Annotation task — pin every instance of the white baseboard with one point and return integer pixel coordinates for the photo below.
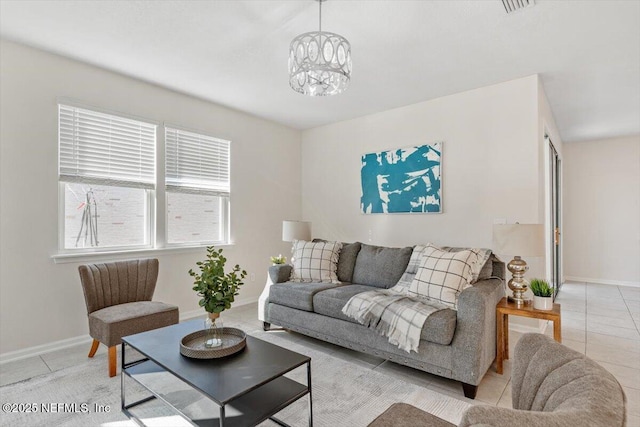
(37, 350)
(603, 281)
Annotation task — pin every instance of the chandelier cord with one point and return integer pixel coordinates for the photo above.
(320, 17)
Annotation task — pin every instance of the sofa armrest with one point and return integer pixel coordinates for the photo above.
(474, 343)
(280, 273)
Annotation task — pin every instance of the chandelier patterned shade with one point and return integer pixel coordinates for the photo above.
(319, 62)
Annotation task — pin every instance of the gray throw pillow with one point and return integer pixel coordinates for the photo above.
(347, 260)
(487, 268)
(380, 266)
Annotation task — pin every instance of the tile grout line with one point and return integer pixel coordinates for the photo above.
(503, 391)
(629, 310)
(45, 364)
(586, 318)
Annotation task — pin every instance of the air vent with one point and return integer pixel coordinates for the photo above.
(513, 5)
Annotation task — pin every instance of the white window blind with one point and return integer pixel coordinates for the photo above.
(103, 149)
(196, 163)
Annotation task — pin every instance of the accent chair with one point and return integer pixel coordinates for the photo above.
(552, 386)
(118, 298)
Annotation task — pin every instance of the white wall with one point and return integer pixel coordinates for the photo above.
(602, 210)
(40, 301)
(490, 167)
(493, 168)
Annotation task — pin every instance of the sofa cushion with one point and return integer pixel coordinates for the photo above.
(380, 266)
(315, 261)
(443, 275)
(297, 295)
(330, 302)
(439, 327)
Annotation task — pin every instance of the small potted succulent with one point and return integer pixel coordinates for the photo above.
(217, 290)
(276, 260)
(542, 294)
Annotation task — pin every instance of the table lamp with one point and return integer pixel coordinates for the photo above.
(296, 230)
(521, 239)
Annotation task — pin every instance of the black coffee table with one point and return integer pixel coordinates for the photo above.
(246, 388)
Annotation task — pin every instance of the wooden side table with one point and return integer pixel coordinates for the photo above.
(504, 308)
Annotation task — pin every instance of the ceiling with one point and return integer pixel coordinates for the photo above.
(234, 53)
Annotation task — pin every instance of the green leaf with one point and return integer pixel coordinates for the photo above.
(217, 288)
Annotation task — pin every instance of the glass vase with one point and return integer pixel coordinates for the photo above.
(213, 326)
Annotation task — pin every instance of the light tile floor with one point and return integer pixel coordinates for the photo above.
(602, 321)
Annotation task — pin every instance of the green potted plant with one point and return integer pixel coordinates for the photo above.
(542, 294)
(275, 260)
(217, 290)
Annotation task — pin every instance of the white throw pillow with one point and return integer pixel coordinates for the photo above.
(412, 268)
(443, 275)
(315, 261)
(483, 256)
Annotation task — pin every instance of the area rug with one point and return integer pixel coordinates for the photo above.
(345, 393)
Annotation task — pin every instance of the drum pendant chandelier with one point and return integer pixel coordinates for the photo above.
(319, 62)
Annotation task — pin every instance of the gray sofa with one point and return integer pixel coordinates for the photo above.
(460, 345)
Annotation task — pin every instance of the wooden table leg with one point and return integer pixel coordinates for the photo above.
(557, 330)
(506, 336)
(500, 342)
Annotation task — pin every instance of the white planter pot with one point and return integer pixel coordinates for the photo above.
(542, 303)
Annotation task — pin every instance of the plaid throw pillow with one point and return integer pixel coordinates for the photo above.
(412, 268)
(315, 261)
(443, 275)
(476, 269)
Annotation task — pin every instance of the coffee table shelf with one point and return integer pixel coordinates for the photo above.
(240, 390)
(250, 409)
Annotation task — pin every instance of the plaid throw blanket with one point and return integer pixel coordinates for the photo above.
(393, 314)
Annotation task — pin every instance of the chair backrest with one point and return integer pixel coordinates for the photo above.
(550, 377)
(118, 282)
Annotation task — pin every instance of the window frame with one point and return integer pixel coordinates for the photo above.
(150, 193)
(225, 199)
(156, 201)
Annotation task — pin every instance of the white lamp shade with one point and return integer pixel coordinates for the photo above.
(525, 240)
(296, 230)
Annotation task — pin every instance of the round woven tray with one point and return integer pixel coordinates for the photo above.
(192, 345)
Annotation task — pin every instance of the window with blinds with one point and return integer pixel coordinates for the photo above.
(197, 179)
(106, 166)
(99, 148)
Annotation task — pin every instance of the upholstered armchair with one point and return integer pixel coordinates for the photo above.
(118, 298)
(552, 386)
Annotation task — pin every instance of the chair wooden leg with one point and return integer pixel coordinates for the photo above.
(112, 361)
(94, 348)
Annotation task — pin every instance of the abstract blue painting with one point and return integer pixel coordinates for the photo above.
(402, 180)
